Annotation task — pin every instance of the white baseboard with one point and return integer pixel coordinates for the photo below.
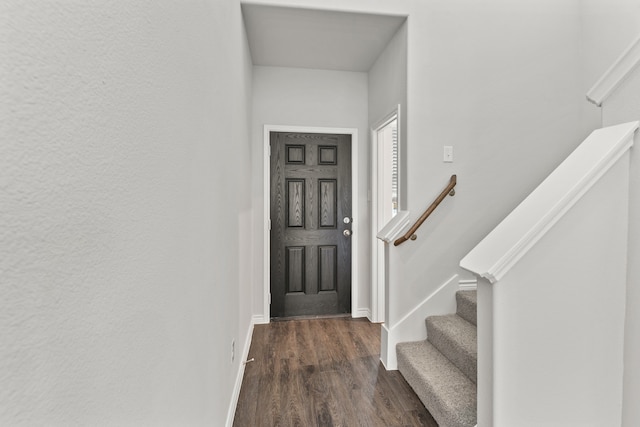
(362, 312)
(412, 327)
(259, 319)
(384, 349)
(236, 389)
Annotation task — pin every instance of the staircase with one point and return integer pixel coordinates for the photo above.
(443, 369)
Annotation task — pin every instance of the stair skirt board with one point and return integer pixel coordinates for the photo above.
(411, 326)
(468, 284)
(442, 369)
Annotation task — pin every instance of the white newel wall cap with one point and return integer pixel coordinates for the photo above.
(521, 229)
(616, 74)
(394, 228)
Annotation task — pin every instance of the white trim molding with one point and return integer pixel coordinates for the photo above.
(239, 377)
(468, 284)
(362, 312)
(378, 284)
(355, 197)
(411, 326)
(395, 227)
(259, 319)
(616, 74)
(494, 256)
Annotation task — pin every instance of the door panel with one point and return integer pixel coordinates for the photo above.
(310, 196)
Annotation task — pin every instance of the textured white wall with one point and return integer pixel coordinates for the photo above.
(124, 165)
(314, 98)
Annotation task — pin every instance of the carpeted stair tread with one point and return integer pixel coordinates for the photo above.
(448, 394)
(457, 340)
(467, 302)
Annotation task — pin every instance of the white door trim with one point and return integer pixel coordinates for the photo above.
(378, 290)
(355, 197)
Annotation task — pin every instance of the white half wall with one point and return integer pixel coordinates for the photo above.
(608, 28)
(309, 98)
(558, 317)
(624, 105)
(125, 210)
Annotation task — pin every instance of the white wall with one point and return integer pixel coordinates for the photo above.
(388, 89)
(497, 82)
(124, 174)
(314, 98)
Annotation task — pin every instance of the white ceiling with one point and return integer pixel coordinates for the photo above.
(306, 38)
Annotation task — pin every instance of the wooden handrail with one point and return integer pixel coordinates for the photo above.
(411, 233)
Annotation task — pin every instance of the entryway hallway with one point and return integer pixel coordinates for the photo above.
(324, 372)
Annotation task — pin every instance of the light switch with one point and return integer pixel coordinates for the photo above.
(448, 154)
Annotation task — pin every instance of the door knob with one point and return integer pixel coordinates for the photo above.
(347, 233)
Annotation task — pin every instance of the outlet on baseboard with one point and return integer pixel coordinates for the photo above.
(233, 350)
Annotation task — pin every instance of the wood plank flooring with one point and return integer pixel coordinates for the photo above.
(325, 373)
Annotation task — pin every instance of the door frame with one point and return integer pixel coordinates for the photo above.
(378, 273)
(355, 197)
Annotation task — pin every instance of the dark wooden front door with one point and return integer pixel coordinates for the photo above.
(310, 199)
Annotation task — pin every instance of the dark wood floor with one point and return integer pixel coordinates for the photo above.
(324, 372)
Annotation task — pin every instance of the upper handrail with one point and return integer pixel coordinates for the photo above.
(411, 233)
(616, 74)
